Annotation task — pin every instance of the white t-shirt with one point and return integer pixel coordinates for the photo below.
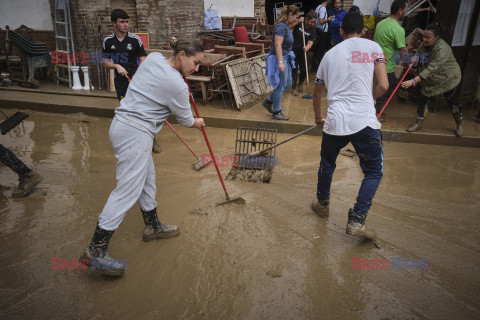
(347, 71)
(321, 12)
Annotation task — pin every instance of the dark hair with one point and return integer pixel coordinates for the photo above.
(190, 47)
(353, 21)
(311, 15)
(118, 13)
(435, 28)
(397, 5)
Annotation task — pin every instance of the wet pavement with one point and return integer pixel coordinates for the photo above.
(269, 259)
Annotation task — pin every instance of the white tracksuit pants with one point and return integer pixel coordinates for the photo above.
(135, 174)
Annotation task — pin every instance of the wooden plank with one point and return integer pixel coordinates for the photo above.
(210, 43)
(230, 50)
(251, 46)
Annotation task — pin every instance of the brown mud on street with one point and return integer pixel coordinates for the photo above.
(272, 258)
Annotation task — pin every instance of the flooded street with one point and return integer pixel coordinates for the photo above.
(272, 258)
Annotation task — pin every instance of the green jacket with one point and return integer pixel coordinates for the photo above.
(441, 72)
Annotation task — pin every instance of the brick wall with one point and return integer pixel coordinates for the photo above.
(347, 4)
(259, 8)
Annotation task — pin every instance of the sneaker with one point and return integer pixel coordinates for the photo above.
(27, 183)
(321, 208)
(267, 104)
(156, 148)
(300, 87)
(280, 116)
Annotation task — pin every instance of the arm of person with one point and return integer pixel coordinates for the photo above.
(109, 64)
(141, 59)
(278, 52)
(434, 65)
(380, 71)
(317, 102)
(309, 45)
(179, 105)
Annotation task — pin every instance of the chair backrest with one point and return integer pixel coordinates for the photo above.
(27, 46)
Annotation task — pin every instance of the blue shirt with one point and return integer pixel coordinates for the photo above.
(282, 29)
(335, 27)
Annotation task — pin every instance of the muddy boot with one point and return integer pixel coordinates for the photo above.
(154, 229)
(356, 225)
(156, 148)
(28, 181)
(300, 87)
(99, 257)
(459, 131)
(321, 208)
(458, 120)
(416, 126)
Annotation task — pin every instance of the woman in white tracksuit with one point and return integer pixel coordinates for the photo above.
(156, 91)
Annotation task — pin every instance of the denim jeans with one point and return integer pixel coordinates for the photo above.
(284, 85)
(369, 148)
(11, 161)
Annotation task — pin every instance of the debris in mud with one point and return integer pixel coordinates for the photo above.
(274, 273)
(250, 175)
(199, 212)
(4, 187)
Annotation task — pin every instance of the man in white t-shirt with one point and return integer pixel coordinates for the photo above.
(322, 42)
(347, 72)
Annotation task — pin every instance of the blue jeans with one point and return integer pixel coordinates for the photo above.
(369, 148)
(284, 85)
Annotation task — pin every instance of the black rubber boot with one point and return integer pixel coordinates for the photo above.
(154, 229)
(322, 208)
(356, 225)
(98, 256)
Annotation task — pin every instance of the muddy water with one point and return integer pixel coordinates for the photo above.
(270, 259)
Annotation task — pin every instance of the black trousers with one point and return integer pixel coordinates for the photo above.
(300, 67)
(452, 100)
(322, 44)
(121, 86)
(392, 82)
(11, 161)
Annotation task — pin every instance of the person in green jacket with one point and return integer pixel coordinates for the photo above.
(439, 73)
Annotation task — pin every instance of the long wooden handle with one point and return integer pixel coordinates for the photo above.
(305, 53)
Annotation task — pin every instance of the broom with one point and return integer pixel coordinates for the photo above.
(12, 121)
(306, 96)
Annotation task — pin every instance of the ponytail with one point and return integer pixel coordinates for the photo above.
(291, 9)
(190, 47)
(435, 28)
